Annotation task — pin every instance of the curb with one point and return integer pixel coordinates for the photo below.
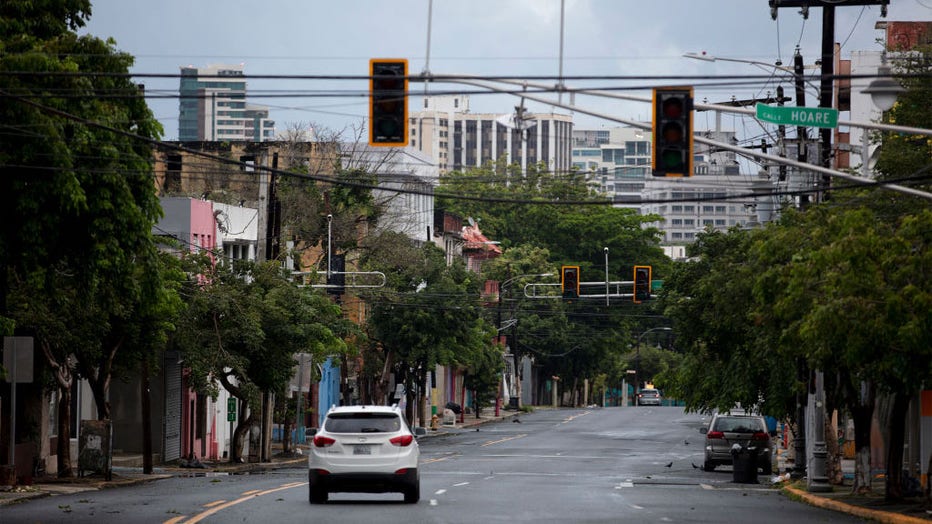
(834, 505)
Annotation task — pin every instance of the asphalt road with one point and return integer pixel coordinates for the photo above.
(569, 465)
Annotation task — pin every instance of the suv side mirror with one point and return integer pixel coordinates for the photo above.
(703, 430)
(419, 431)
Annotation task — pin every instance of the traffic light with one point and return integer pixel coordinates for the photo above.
(642, 277)
(672, 152)
(388, 102)
(569, 281)
(337, 275)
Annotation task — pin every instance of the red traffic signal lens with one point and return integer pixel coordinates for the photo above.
(673, 107)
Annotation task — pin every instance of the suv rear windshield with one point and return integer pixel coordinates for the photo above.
(362, 423)
(739, 425)
(650, 392)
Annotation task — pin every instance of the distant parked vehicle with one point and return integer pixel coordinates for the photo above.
(747, 431)
(649, 397)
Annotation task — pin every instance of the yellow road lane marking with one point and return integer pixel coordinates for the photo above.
(175, 520)
(252, 494)
(214, 503)
(506, 439)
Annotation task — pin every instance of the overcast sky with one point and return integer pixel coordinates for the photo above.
(478, 37)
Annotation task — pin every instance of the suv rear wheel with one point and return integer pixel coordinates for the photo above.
(413, 493)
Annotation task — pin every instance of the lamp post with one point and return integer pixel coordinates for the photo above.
(637, 362)
(883, 91)
(514, 350)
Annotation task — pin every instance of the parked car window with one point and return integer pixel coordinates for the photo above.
(738, 425)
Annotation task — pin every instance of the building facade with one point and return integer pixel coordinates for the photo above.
(456, 139)
(213, 107)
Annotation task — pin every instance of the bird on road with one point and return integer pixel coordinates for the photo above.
(669, 465)
(694, 465)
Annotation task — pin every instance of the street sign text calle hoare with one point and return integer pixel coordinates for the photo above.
(798, 116)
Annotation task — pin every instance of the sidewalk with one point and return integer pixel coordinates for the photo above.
(131, 476)
(868, 506)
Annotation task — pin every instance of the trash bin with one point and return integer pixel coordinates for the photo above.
(743, 465)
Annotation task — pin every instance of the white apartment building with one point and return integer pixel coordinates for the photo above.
(456, 139)
(213, 107)
(618, 161)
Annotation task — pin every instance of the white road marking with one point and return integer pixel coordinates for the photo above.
(460, 484)
(433, 502)
(635, 506)
(440, 492)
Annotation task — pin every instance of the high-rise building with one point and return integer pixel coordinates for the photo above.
(456, 139)
(213, 107)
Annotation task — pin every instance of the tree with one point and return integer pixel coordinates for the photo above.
(429, 314)
(243, 325)
(77, 200)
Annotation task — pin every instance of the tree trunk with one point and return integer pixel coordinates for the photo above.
(64, 378)
(862, 414)
(425, 400)
(64, 432)
(239, 434)
(833, 453)
(897, 421)
(146, 417)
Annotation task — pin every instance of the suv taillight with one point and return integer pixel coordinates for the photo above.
(402, 440)
(323, 442)
(716, 434)
(760, 435)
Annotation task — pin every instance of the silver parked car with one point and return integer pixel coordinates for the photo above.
(649, 397)
(748, 431)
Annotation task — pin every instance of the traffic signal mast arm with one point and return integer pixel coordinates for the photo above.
(464, 79)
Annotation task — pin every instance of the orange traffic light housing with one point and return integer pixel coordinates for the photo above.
(388, 102)
(672, 152)
(642, 283)
(569, 282)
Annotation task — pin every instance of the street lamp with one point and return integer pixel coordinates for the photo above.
(514, 350)
(763, 65)
(637, 362)
(883, 91)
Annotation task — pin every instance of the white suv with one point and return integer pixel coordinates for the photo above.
(364, 449)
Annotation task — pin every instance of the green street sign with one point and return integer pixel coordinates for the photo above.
(798, 116)
(231, 406)
(231, 416)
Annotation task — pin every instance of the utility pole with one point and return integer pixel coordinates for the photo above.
(817, 481)
(268, 249)
(802, 136)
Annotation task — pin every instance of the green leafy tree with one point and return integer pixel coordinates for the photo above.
(77, 199)
(429, 314)
(243, 325)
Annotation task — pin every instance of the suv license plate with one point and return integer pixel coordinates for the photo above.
(362, 450)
